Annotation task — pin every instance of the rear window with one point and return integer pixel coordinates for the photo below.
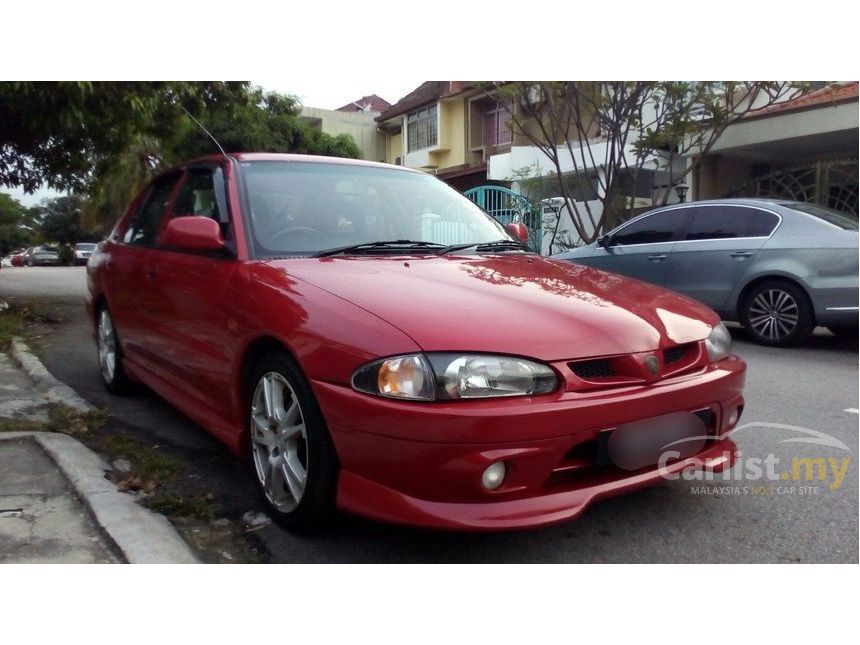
(844, 221)
(726, 222)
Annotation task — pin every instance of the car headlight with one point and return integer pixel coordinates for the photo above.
(719, 343)
(447, 376)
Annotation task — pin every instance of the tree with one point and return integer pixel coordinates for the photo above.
(18, 227)
(67, 134)
(266, 122)
(263, 122)
(598, 136)
(61, 219)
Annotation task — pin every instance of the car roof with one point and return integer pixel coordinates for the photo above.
(738, 201)
(277, 156)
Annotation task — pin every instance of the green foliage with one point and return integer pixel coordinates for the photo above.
(61, 219)
(18, 226)
(104, 141)
(66, 134)
(266, 122)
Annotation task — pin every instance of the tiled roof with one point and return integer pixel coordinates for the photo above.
(427, 92)
(370, 103)
(830, 94)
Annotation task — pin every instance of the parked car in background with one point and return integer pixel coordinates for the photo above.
(374, 341)
(83, 250)
(41, 256)
(779, 268)
(18, 258)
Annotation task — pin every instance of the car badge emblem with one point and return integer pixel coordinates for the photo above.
(652, 364)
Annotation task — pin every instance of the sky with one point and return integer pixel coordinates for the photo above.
(324, 93)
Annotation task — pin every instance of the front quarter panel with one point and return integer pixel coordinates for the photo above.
(328, 336)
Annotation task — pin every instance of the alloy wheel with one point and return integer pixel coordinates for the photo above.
(107, 346)
(279, 442)
(773, 314)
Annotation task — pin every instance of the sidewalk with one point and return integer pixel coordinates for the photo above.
(56, 505)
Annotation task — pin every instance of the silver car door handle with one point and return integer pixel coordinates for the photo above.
(741, 254)
(656, 258)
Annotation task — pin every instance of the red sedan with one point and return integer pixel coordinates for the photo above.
(373, 341)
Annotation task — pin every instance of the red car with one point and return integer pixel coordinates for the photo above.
(374, 342)
(18, 257)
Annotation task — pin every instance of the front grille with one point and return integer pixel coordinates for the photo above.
(674, 354)
(597, 368)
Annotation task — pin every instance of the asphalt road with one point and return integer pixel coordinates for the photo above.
(746, 520)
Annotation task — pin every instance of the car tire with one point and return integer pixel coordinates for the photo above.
(110, 354)
(292, 457)
(777, 313)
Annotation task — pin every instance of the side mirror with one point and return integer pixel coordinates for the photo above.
(519, 231)
(604, 241)
(192, 233)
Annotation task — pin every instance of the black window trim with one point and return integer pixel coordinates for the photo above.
(691, 205)
(176, 175)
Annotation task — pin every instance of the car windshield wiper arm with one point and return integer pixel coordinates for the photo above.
(495, 245)
(395, 245)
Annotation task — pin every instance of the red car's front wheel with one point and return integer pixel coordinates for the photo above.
(294, 460)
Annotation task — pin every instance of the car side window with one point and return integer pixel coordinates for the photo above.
(653, 229)
(144, 229)
(729, 222)
(197, 196)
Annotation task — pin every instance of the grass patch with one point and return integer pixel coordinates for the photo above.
(27, 319)
(11, 325)
(22, 425)
(62, 418)
(200, 506)
(147, 462)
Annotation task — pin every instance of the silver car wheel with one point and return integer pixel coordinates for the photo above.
(279, 442)
(773, 314)
(107, 346)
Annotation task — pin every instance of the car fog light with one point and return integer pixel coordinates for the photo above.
(733, 417)
(494, 475)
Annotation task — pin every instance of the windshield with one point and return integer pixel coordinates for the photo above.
(842, 220)
(85, 247)
(300, 208)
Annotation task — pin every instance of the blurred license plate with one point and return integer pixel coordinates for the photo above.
(647, 442)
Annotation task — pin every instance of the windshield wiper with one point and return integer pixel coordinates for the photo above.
(382, 245)
(487, 247)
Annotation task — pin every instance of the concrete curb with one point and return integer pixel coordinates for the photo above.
(55, 390)
(143, 537)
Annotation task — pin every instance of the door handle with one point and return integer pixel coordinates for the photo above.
(150, 272)
(656, 258)
(741, 254)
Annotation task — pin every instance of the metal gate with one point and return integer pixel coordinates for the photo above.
(829, 183)
(506, 206)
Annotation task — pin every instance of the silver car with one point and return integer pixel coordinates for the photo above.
(779, 268)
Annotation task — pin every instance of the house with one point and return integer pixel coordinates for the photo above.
(803, 149)
(357, 119)
(370, 103)
(447, 128)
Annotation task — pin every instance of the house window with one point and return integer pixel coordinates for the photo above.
(421, 129)
(497, 129)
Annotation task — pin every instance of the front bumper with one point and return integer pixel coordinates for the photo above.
(421, 463)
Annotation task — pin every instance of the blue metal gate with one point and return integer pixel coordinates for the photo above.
(506, 206)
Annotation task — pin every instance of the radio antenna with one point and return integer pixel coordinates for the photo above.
(209, 134)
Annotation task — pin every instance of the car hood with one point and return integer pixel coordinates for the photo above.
(512, 304)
